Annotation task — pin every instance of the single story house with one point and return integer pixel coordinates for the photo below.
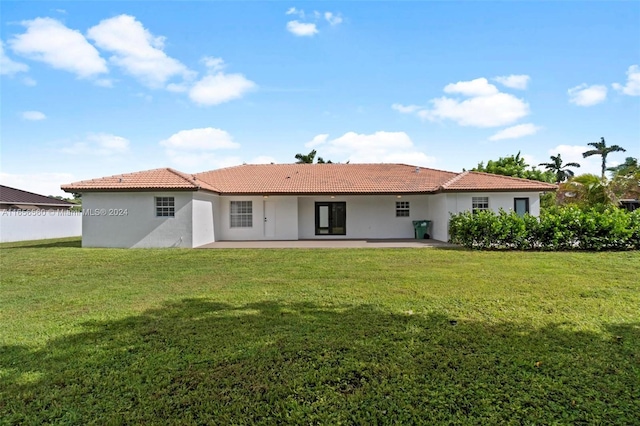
(17, 199)
(168, 208)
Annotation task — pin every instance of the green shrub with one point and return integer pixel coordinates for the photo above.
(558, 228)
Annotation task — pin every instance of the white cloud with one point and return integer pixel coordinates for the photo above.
(584, 95)
(199, 162)
(302, 29)
(514, 81)
(294, 11)
(219, 88)
(378, 147)
(477, 87)
(494, 110)
(33, 116)
(99, 144)
(632, 87)
(197, 149)
(405, 109)
(137, 51)
(39, 183)
(486, 106)
(573, 154)
(332, 19)
(28, 81)
(204, 139)
(214, 64)
(317, 140)
(48, 40)
(9, 67)
(515, 132)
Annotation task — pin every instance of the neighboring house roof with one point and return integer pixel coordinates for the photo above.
(18, 197)
(312, 179)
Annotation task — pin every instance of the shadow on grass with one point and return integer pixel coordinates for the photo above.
(59, 243)
(197, 361)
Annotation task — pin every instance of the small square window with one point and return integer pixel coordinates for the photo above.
(479, 203)
(241, 214)
(165, 207)
(402, 209)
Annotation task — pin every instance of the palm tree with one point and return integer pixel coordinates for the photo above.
(602, 150)
(306, 159)
(630, 166)
(560, 170)
(587, 190)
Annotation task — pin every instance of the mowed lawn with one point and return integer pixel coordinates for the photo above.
(325, 336)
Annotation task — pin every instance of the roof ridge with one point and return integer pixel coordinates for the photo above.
(192, 179)
(511, 177)
(454, 179)
(183, 175)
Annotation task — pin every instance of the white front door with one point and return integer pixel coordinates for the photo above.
(269, 219)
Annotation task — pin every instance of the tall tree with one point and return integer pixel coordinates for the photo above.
(306, 159)
(515, 166)
(588, 191)
(560, 170)
(626, 179)
(630, 166)
(601, 149)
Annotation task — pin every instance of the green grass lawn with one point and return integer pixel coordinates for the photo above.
(333, 336)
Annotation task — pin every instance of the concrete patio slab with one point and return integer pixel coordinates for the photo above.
(310, 244)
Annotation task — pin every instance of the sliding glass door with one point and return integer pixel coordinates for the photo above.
(331, 218)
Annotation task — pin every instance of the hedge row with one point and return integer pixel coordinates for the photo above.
(558, 228)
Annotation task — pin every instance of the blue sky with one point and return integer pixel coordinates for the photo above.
(91, 89)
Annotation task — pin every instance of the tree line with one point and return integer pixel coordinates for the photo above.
(585, 190)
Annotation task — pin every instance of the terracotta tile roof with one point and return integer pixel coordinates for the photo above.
(15, 196)
(478, 181)
(311, 179)
(156, 179)
(325, 179)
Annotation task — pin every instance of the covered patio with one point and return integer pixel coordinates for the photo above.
(334, 243)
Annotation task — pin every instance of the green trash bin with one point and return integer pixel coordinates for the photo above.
(421, 228)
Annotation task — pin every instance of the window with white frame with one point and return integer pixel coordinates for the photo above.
(479, 203)
(165, 207)
(402, 209)
(241, 214)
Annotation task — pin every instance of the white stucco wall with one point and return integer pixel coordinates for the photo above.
(24, 225)
(441, 205)
(286, 219)
(438, 213)
(139, 227)
(368, 216)
(497, 200)
(202, 219)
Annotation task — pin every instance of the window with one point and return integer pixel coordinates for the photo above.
(402, 209)
(331, 218)
(241, 214)
(521, 206)
(165, 207)
(479, 203)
